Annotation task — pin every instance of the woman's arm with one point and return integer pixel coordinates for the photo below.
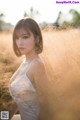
(41, 83)
(12, 108)
(40, 77)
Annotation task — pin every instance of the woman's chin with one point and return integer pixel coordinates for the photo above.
(25, 53)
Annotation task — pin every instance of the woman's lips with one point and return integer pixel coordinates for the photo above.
(21, 48)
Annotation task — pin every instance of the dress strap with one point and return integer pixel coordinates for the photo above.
(28, 64)
(22, 69)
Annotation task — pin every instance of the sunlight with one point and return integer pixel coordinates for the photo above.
(14, 10)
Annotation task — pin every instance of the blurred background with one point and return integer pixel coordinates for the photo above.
(60, 26)
(44, 12)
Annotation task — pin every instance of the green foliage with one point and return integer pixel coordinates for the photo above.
(74, 22)
(32, 13)
(75, 18)
(1, 20)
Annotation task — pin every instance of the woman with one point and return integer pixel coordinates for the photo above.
(28, 86)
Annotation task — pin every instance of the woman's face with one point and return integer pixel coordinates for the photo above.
(25, 41)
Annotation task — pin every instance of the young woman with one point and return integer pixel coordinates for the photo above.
(28, 84)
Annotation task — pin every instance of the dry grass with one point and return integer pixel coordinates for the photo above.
(8, 64)
(61, 57)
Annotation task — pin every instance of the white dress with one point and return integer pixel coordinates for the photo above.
(24, 93)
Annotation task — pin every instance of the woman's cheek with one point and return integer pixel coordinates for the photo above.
(30, 45)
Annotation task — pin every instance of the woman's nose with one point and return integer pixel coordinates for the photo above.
(20, 41)
(19, 38)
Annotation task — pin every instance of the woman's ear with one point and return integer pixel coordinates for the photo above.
(36, 43)
(37, 38)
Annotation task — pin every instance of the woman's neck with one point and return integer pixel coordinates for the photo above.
(31, 56)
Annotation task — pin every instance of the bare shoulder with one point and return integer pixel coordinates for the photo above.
(38, 66)
(39, 74)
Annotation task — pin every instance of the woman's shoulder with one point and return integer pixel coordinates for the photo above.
(37, 66)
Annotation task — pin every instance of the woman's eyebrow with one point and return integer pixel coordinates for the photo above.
(25, 34)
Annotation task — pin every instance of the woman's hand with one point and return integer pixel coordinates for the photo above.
(12, 108)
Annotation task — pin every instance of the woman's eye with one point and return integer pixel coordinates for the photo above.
(25, 37)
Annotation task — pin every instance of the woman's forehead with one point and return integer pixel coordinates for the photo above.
(21, 32)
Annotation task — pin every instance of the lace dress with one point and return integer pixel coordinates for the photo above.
(24, 93)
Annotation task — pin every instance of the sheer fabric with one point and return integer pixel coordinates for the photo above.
(24, 93)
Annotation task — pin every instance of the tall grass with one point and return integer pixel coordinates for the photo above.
(61, 56)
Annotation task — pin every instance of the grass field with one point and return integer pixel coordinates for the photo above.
(61, 56)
